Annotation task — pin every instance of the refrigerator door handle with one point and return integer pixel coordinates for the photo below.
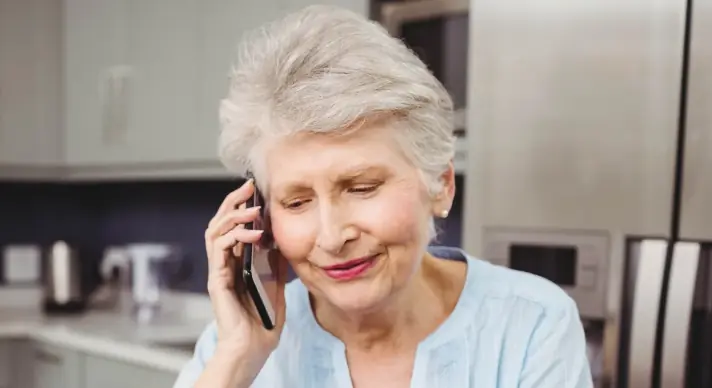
(646, 304)
(683, 273)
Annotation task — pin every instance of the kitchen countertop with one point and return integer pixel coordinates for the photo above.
(163, 344)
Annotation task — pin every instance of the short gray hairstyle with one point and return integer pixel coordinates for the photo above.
(325, 69)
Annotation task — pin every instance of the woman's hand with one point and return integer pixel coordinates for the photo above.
(243, 343)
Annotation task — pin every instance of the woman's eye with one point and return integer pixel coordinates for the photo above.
(296, 204)
(363, 189)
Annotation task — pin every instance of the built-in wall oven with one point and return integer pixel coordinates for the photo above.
(437, 31)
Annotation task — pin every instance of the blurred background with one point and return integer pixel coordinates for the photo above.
(584, 155)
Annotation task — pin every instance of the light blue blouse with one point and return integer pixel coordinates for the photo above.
(509, 329)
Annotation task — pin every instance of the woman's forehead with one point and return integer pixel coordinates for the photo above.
(314, 156)
(310, 148)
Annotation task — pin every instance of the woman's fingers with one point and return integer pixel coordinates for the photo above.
(222, 246)
(230, 220)
(233, 199)
(220, 225)
(221, 268)
(234, 236)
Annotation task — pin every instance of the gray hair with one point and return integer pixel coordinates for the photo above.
(325, 69)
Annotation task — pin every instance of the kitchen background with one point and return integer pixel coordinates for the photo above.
(583, 155)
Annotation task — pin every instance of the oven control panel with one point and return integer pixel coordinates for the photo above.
(575, 260)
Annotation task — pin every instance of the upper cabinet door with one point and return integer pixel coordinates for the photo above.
(132, 82)
(30, 79)
(96, 80)
(144, 80)
(222, 25)
(165, 82)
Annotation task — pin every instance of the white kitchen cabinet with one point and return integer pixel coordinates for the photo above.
(165, 80)
(54, 367)
(5, 366)
(31, 364)
(134, 79)
(222, 24)
(180, 54)
(95, 83)
(144, 81)
(15, 364)
(21, 356)
(30, 86)
(120, 88)
(106, 373)
(132, 83)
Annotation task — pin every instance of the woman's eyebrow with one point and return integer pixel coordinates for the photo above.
(297, 185)
(358, 171)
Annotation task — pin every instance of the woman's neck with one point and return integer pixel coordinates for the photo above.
(407, 318)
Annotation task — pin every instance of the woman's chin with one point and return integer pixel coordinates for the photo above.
(356, 298)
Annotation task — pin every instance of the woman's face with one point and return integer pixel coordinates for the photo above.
(350, 214)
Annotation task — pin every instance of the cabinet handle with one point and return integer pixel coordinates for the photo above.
(47, 357)
(115, 104)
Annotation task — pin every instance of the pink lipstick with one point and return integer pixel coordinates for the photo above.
(350, 269)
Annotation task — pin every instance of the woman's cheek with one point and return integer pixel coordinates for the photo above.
(293, 236)
(393, 218)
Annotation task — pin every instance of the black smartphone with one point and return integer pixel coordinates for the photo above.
(257, 273)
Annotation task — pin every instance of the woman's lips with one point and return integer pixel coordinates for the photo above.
(350, 269)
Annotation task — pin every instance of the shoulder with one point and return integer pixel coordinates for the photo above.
(534, 318)
(525, 304)
(497, 283)
(500, 286)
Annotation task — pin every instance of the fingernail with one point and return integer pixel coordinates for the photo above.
(247, 183)
(257, 231)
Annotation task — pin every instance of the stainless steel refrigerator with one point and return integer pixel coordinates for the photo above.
(590, 163)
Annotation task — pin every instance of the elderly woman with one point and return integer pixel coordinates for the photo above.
(350, 140)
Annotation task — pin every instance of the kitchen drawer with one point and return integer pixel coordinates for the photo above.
(106, 373)
(53, 366)
(5, 364)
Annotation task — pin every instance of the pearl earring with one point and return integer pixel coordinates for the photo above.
(444, 213)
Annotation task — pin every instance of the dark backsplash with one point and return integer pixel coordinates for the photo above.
(94, 215)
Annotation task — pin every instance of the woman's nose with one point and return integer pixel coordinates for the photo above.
(334, 230)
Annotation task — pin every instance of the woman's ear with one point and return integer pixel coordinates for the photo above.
(442, 202)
